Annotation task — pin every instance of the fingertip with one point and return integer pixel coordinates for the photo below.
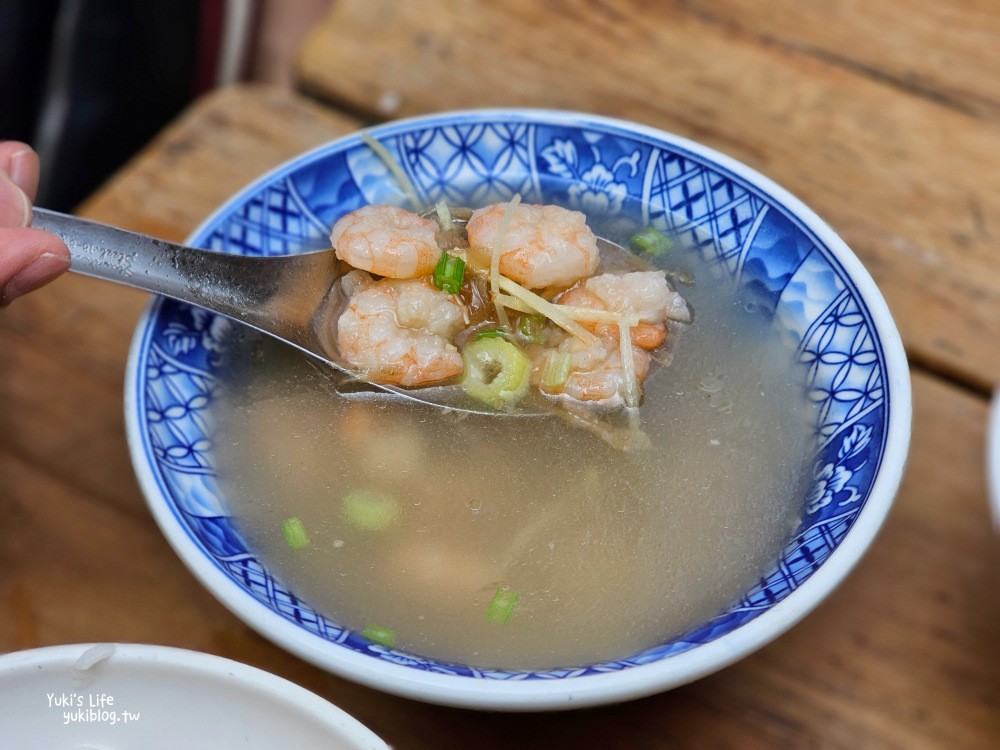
(15, 205)
(21, 163)
(7, 148)
(29, 258)
(50, 244)
(24, 170)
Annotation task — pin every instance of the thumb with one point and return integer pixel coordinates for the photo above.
(29, 258)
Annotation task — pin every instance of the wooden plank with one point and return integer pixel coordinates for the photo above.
(910, 184)
(943, 51)
(227, 140)
(75, 569)
(78, 317)
(64, 419)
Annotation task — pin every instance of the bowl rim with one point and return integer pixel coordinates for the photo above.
(591, 689)
(199, 665)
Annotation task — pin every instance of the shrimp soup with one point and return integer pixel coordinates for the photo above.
(525, 542)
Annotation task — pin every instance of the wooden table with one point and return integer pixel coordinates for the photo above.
(883, 116)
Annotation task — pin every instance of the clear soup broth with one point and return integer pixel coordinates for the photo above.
(607, 552)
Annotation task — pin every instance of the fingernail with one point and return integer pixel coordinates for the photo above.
(20, 167)
(15, 209)
(40, 271)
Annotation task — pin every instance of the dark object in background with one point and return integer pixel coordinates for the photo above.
(25, 37)
(89, 82)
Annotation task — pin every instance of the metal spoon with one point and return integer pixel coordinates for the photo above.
(288, 297)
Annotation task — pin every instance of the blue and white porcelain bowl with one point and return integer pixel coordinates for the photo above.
(772, 246)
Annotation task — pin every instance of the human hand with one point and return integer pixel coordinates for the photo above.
(29, 257)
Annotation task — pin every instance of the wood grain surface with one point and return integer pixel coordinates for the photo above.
(946, 52)
(883, 116)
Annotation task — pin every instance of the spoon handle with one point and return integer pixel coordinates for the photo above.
(135, 260)
(275, 295)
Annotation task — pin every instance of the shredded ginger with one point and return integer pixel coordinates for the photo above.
(495, 253)
(393, 166)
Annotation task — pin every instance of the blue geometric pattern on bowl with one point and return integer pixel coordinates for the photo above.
(599, 168)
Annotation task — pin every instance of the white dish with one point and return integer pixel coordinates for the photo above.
(124, 697)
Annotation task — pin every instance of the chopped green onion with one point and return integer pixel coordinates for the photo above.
(651, 242)
(496, 372)
(295, 533)
(490, 333)
(448, 273)
(555, 369)
(501, 606)
(380, 635)
(531, 327)
(370, 510)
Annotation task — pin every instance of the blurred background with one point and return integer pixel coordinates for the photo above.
(89, 82)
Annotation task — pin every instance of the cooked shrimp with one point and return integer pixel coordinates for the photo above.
(399, 331)
(646, 335)
(387, 241)
(543, 246)
(597, 372)
(645, 294)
